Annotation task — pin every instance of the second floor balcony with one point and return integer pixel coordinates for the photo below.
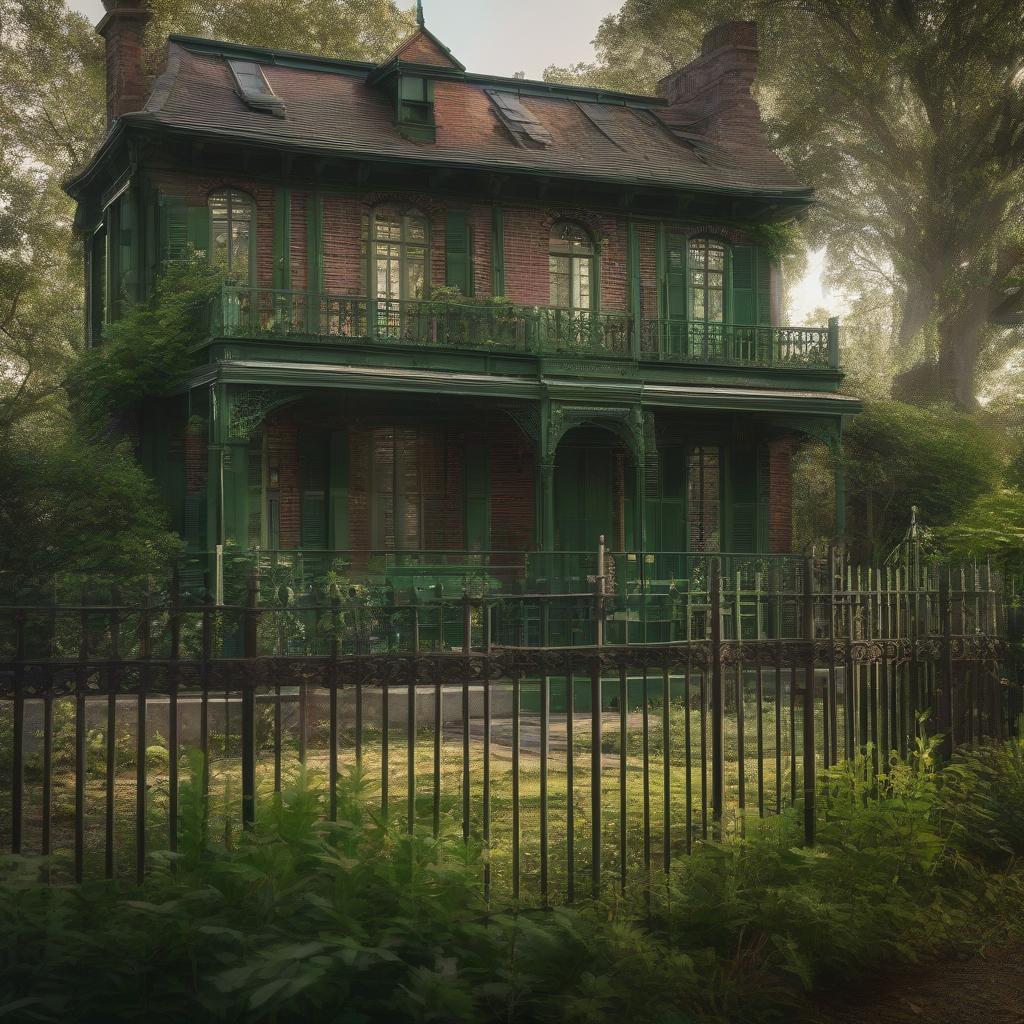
(501, 326)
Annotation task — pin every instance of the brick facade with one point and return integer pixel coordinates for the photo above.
(780, 513)
(527, 231)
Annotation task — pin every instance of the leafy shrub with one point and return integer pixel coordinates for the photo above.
(359, 921)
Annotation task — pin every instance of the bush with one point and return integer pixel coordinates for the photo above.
(359, 921)
(899, 455)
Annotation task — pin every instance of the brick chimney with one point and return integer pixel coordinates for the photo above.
(711, 95)
(123, 29)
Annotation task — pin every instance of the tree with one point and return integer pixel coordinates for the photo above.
(909, 120)
(898, 455)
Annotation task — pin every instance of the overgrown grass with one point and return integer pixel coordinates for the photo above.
(358, 921)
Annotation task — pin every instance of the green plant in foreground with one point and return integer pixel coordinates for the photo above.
(356, 920)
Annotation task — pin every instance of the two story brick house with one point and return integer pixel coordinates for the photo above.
(461, 313)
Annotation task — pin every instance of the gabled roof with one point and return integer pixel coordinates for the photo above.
(423, 47)
(335, 106)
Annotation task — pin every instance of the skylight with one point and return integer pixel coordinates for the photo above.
(522, 125)
(254, 88)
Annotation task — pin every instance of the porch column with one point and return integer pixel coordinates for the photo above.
(547, 505)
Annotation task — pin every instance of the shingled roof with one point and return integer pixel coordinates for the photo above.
(335, 107)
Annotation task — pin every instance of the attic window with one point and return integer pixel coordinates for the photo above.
(522, 125)
(415, 113)
(254, 88)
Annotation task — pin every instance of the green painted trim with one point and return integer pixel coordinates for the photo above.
(283, 238)
(338, 477)
(661, 271)
(315, 242)
(497, 251)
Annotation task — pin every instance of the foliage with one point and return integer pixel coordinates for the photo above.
(146, 351)
(907, 119)
(349, 29)
(992, 526)
(897, 455)
(304, 918)
(73, 508)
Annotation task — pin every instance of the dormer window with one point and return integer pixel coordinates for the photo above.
(415, 113)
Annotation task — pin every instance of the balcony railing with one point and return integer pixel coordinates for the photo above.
(501, 326)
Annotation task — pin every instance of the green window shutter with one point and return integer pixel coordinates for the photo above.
(764, 485)
(675, 284)
(458, 252)
(743, 310)
(338, 475)
(313, 472)
(478, 498)
(743, 505)
(173, 217)
(673, 498)
(764, 288)
(199, 229)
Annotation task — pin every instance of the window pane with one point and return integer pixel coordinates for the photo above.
(716, 257)
(716, 309)
(240, 240)
(703, 500)
(581, 284)
(416, 229)
(414, 277)
(387, 227)
(561, 292)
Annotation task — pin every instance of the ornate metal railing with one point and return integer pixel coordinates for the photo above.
(491, 326)
(498, 325)
(681, 341)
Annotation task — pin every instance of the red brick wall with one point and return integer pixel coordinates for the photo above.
(513, 483)
(780, 511)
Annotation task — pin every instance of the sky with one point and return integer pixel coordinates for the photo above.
(501, 38)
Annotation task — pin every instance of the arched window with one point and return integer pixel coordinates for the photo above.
(232, 234)
(571, 266)
(707, 280)
(398, 248)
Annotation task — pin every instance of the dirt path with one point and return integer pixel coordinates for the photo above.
(983, 990)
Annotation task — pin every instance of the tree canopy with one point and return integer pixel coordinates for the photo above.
(909, 120)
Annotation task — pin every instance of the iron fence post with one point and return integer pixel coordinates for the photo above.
(18, 738)
(717, 699)
(944, 691)
(248, 698)
(810, 780)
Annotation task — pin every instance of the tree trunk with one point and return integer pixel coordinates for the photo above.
(960, 335)
(917, 308)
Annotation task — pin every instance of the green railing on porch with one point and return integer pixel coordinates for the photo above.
(500, 326)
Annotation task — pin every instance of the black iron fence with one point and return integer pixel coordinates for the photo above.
(582, 736)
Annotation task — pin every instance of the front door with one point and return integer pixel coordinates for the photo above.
(584, 504)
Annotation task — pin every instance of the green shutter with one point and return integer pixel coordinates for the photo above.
(673, 498)
(743, 504)
(478, 498)
(675, 270)
(199, 229)
(173, 216)
(764, 477)
(313, 470)
(338, 501)
(743, 309)
(751, 286)
(764, 289)
(458, 252)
